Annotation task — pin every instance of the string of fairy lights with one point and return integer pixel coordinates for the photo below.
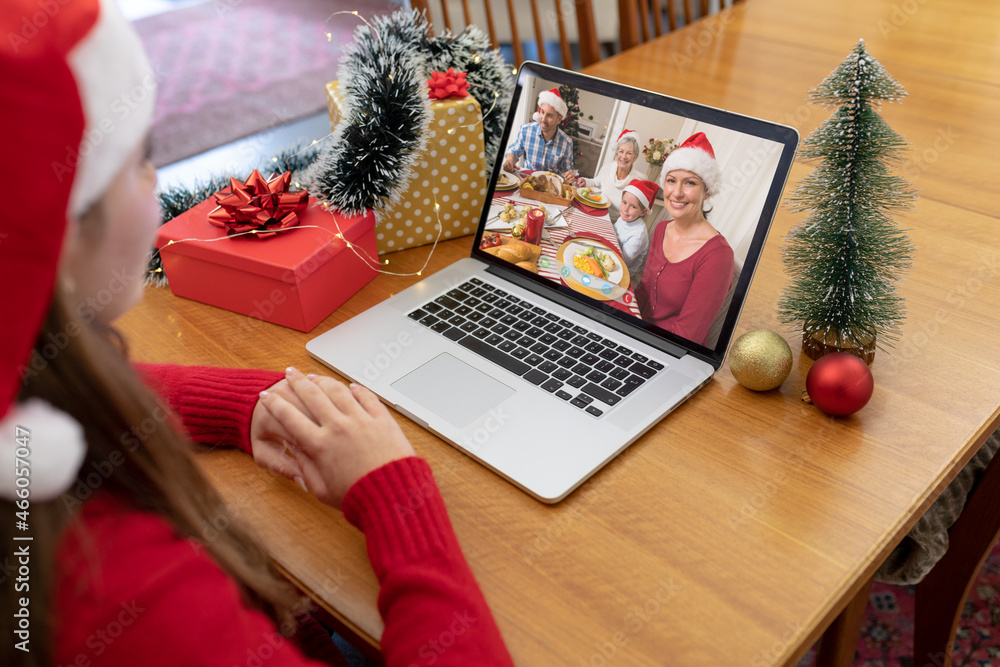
(358, 250)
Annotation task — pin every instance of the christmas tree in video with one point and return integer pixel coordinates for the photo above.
(571, 123)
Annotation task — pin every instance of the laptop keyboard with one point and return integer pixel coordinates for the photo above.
(572, 362)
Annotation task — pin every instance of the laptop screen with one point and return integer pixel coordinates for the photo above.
(644, 210)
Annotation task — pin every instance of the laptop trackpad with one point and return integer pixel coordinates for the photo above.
(453, 390)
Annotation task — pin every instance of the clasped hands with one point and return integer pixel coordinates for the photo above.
(324, 434)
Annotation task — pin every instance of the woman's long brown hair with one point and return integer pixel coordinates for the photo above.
(81, 368)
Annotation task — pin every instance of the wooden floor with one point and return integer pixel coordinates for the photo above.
(233, 157)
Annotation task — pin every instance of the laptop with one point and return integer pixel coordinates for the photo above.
(542, 371)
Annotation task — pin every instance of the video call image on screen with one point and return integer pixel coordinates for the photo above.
(649, 212)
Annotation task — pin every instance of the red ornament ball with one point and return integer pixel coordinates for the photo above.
(840, 384)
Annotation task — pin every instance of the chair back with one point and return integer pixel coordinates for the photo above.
(713, 331)
(642, 20)
(569, 21)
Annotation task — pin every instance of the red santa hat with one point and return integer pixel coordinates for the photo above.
(627, 134)
(697, 156)
(644, 191)
(78, 99)
(554, 100)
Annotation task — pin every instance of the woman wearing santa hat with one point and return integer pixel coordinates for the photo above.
(689, 268)
(616, 173)
(116, 523)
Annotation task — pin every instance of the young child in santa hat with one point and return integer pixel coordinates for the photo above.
(116, 511)
(633, 237)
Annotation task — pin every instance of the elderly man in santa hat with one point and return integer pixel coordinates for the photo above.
(542, 144)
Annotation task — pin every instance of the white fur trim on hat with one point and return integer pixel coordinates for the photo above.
(628, 134)
(694, 160)
(117, 87)
(638, 193)
(46, 443)
(554, 101)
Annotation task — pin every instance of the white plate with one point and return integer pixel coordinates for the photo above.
(553, 216)
(604, 202)
(575, 248)
(513, 185)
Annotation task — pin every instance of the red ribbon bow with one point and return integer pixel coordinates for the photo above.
(447, 84)
(264, 206)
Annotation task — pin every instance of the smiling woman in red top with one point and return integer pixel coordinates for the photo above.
(689, 268)
(130, 556)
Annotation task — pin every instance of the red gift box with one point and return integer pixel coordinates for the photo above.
(294, 278)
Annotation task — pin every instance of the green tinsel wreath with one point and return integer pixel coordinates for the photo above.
(369, 162)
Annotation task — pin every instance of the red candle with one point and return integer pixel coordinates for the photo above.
(533, 226)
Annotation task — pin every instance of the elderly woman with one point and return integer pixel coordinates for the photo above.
(689, 268)
(618, 173)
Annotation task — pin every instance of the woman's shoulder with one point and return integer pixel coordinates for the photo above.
(120, 564)
(111, 552)
(113, 544)
(107, 518)
(604, 173)
(719, 243)
(716, 250)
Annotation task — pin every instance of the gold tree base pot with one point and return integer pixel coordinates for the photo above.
(816, 345)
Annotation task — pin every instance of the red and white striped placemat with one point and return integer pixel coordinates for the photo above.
(583, 224)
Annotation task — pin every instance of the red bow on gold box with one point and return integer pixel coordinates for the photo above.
(259, 206)
(447, 84)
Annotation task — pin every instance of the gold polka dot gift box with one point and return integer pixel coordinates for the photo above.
(451, 170)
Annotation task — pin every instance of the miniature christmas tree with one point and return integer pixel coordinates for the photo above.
(571, 123)
(847, 256)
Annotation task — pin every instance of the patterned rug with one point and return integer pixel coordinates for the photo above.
(227, 69)
(887, 633)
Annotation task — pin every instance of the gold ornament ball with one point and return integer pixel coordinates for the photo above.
(760, 360)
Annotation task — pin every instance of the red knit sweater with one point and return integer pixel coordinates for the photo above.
(684, 297)
(130, 592)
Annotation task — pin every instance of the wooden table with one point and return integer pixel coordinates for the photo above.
(739, 527)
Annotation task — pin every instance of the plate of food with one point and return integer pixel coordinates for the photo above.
(510, 215)
(508, 181)
(512, 250)
(595, 258)
(546, 186)
(592, 198)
